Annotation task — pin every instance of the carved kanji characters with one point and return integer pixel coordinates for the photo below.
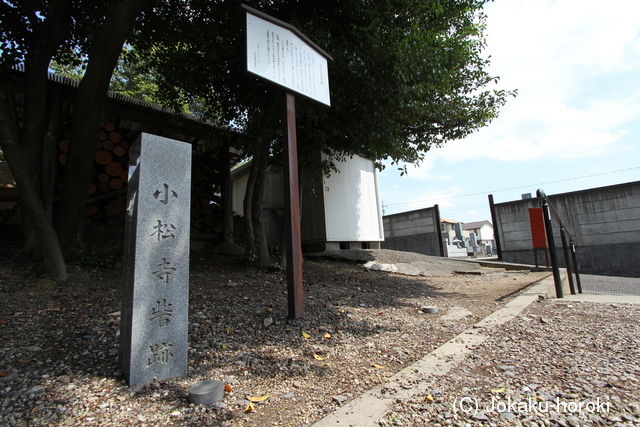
(163, 231)
(165, 270)
(160, 353)
(164, 194)
(161, 312)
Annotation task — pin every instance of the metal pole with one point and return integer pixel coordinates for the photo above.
(496, 235)
(552, 248)
(575, 266)
(567, 262)
(292, 208)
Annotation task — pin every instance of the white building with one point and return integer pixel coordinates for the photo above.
(338, 212)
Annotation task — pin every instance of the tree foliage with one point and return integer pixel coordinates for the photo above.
(406, 74)
(131, 76)
(33, 33)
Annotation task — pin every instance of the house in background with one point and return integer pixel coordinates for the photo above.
(454, 240)
(483, 231)
(449, 227)
(424, 231)
(341, 211)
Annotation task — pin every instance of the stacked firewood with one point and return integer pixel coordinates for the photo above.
(107, 191)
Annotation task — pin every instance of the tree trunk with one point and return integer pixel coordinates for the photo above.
(30, 199)
(260, 236)
(32, 138)
(260, 129)
(250, 243)
(257, 247)
(50, 155)
(227, 195)
(89, 108)
(46, 38)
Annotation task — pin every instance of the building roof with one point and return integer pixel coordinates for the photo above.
(132, 114)
(450, 221)
(475, 225)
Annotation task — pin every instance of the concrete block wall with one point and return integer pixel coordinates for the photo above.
(414, 231)
(604, 222)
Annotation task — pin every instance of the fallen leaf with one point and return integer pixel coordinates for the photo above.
(228, 388)
(498, 390)
(327, 335)
(429, 398)
(306, 335)
(375, 365)
(223, 346)
(229, 331)
(258, 399)
(3, 374)
(315, 356)
(250, 408)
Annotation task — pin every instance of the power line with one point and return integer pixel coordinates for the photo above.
(512, 188)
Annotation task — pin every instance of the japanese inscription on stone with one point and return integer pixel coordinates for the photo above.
(154, 326)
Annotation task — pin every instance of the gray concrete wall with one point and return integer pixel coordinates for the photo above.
(414, 231)
(604, 222)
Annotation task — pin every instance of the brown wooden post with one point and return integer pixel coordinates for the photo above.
(292, 208)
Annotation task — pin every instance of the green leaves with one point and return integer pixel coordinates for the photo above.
(405, 75)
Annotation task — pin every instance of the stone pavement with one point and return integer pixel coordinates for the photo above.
(610, 285)
(364, 410)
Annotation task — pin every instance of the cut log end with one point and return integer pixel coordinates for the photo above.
(114, 169)
(103, 157)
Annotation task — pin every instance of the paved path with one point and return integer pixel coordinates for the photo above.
(611, 285)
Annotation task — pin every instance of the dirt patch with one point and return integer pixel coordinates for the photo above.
(59, 343)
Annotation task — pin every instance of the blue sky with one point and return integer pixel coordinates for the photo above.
(574, 125)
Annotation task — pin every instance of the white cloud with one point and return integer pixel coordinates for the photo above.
(569, 60)
(431, 169)
(547, 44)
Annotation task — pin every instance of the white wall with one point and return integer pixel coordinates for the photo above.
(485, 232)
(239, 189)
(352, 202)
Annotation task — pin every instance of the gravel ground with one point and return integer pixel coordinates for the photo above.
(556, 364)
(59, 342)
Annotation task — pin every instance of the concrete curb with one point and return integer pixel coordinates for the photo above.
(364, 410)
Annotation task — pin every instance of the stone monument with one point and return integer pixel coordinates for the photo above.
(155, 293)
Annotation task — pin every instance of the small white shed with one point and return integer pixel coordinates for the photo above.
(342, 211)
